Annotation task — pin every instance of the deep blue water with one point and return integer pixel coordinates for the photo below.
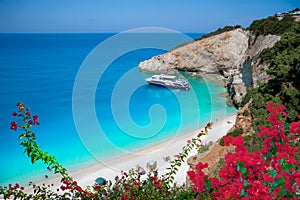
(40, 70)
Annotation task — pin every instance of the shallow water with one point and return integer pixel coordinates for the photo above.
(40, 70)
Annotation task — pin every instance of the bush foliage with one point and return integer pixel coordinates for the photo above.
(284, 71)
(271, 25)
(270, 172)
(220, 30)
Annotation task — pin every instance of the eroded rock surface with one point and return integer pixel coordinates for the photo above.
(232, 55)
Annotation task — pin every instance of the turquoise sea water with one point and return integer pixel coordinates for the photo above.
(40, 70)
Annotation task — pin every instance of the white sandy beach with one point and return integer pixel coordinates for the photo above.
(171, 147)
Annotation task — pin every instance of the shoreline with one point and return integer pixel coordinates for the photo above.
(110, 168)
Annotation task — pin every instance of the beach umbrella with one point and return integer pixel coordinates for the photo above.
(100, 181)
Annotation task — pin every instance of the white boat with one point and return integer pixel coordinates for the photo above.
(168, 81)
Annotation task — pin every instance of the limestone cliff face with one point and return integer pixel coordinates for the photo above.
(232, 55)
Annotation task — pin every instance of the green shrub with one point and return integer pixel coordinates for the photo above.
(221, 142)
(235, 132)
(205, 147)
(219, 31)
(253, 142)
(246, 113)
(271, 25)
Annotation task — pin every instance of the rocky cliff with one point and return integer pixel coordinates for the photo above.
(232, 55)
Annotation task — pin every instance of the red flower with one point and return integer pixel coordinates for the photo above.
(267, 178)
(35, 117)
(137, 183)
(14, 114)
(97, 187)
(13, 126)
(124, 197)
(30, 122)
(154, 178)
(158, 185)
(295, 127)
(32, 135)
(238, 141)
(215, 182)
(201, 166)
(79, 189)
(227, 140)
(27, 113)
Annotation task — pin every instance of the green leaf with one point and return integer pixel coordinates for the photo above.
(33, 158)
(280, 117)
(243, 193)
(269, 154)
(22, 136)
(280, 181)
(239, 163)
(243, 170)
(25, 143)
(208, 184)
(282, 161)
(245, 183)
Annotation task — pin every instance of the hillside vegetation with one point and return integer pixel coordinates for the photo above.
(219, 31)
(284, 68)
(283, 87)
(272, 25)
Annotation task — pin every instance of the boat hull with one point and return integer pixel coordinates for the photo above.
(174, 87)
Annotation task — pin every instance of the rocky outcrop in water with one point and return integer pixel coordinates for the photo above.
(232, 55)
